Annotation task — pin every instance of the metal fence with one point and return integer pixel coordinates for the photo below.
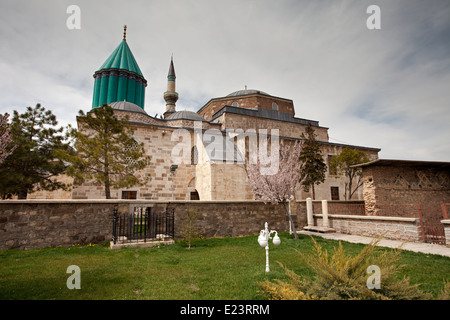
(430, 216)
(145, 224)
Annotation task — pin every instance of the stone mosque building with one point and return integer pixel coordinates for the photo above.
(201, 174)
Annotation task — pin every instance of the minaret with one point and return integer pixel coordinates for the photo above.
(170, 96)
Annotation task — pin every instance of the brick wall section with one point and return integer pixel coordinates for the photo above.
(405, 185)
(247, 102)
(30, 224)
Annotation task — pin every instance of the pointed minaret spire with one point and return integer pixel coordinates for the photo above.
(170, 96)
(171, 70)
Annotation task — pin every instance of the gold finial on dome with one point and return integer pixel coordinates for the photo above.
(125, 32)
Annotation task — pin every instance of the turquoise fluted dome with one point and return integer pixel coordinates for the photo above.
(119, 79)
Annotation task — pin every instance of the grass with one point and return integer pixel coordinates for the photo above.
(214, 269)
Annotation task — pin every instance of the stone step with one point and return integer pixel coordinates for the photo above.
(319, 229)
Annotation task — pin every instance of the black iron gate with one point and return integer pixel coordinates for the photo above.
(145, 224)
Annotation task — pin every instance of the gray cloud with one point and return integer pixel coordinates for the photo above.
(383, 88)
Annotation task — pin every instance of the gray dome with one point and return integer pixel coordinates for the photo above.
(246, 92)
(185, 115)
(126, 106)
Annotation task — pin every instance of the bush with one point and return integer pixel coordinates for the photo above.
(342, 277)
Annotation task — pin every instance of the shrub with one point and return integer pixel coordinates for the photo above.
(343, 277)
(189, 229)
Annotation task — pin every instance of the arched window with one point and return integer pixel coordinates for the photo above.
(235, 104)
(274, 106)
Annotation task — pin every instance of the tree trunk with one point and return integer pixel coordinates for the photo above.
(107, 187)
(313, 192)
(290, 219)
(350, 184)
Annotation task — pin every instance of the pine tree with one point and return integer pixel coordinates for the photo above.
(107, 154)
(34, 164)
(314, 167)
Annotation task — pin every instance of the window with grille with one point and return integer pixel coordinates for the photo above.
(129, 160)
(129, 194)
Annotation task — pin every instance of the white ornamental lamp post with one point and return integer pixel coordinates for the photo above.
(263, 241)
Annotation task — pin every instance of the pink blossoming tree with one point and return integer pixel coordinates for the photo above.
(280, 187)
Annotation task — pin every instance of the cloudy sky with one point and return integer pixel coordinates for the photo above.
(387, 88)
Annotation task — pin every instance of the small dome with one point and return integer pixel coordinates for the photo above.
(185, 115)
(246, 93)
(127, 106)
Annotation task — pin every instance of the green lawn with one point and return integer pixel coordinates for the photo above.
(214, 269)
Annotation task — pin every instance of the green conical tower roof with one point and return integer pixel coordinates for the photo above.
(122, 58)
(119, 78)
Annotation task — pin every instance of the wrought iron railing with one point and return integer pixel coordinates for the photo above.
(144, 224)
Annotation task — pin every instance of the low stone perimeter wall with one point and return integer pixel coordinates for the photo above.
(446, 224)
(396, 228)
(29, 224)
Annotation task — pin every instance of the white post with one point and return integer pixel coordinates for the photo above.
(309, 212)
(267, 258)
(325, 222)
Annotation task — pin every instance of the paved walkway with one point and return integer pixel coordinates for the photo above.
(427, 248)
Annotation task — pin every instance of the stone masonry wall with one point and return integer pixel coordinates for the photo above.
(30, 224)
(226, 218)
(396, 228)
(287, 129)
(159, 145)
(446, 224)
